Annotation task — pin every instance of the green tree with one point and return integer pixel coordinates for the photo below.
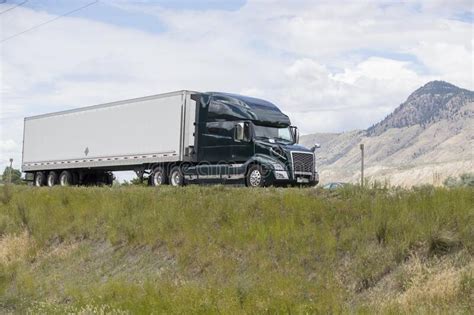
(464, 180)
(15, 174)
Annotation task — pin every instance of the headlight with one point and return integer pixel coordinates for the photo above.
(278, 166)
(281, 175)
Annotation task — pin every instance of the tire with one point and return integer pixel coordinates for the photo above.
(66, 179)
(75, 178)
(52, 179)
(109, 177)
(158, 177)
(255, 176)
(39, 180)
(176, 177)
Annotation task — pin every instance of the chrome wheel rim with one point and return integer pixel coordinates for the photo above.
(157, 178)
(38, 180)
(255, 178)
(50, 181)
(175, 178)
(63, 181)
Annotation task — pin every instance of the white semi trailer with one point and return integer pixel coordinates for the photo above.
(175, 138)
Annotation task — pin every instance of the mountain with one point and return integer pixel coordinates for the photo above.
(424, 140)
(435, 101)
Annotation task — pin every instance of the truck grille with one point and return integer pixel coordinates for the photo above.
(303, 163)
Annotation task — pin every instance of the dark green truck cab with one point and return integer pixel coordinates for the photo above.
(241, 139)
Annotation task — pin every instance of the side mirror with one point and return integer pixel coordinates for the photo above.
(316, 146)
(242, 132)
(239, 132)
(296, 134)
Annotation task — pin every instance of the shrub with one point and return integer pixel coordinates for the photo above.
(236, 250)
(464, 180)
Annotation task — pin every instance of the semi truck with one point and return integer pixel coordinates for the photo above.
(175, 138)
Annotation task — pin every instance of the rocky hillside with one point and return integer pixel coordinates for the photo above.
(426, 139)
(435, 101)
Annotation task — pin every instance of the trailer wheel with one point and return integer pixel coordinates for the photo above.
(158, 176)
(66, 179)
(110, 178)
(255, 177)
(39, 179)
(75, 178)
(52, 179)
(176, 177)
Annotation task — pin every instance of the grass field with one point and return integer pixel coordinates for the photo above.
(236, 250)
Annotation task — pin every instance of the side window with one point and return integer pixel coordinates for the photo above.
(247, 131)
(214, 129)
(219, 131)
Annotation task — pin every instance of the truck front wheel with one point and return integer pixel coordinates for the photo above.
(255, 176)
(176, 177)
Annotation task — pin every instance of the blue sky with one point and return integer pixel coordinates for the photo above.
(109, 11)
(333, 66)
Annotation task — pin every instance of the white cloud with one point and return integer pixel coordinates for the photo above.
(453, 62)
(9, 149)
(8, 145)
(332, 67)
(376, 68)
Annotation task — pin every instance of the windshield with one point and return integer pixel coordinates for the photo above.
(273, 133)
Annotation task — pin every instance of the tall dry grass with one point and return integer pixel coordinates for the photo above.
(237, 250)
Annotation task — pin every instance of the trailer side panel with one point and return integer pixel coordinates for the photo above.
(145, 130)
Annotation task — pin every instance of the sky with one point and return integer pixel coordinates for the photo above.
(332, 66)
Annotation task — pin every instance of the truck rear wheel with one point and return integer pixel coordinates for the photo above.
(39, 179)
(52, 179)
(255, 176)
(176, 177)
(65, 178)
(158, 177)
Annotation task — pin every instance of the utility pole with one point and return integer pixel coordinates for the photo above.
(361, 165)
(10, 173)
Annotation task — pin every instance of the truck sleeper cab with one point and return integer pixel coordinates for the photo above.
(218, 138)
